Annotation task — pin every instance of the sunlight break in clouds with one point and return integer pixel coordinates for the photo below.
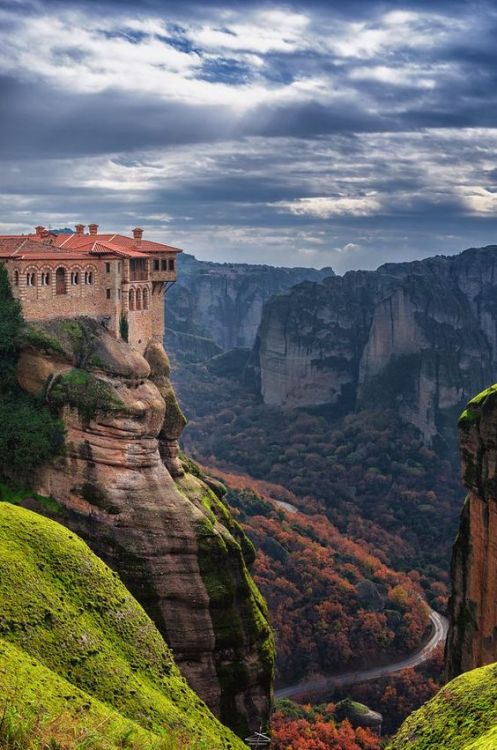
(323, 208)
(343, 133)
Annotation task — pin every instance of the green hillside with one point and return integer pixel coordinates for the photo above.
(81, 664)
(462, 716)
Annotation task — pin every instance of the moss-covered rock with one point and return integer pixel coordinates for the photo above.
(77, 650)
(83, 391)
(462, 716)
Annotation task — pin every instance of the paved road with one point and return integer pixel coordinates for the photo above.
(322, 685)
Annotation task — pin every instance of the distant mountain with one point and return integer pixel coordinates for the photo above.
(222, 303)
(420, 337)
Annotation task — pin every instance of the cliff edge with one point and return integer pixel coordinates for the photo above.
(166, 532)
(472, 640)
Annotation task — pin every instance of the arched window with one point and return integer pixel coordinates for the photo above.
(88, 277)
(31, 278)
(60, 281)
(74, 278)
(45, 278)
(16, 278)
(145, 299)
(138, 299)
(131, 299)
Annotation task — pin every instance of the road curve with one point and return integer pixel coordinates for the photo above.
(324, 684)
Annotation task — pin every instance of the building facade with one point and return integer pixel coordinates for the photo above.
(119, 280)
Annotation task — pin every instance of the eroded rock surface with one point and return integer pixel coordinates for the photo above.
(472, 639)
(421, 336)
(174, 543)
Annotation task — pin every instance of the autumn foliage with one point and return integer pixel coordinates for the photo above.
(332, 603)
(314, 729)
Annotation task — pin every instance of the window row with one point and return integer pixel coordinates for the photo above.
(138, 300)
(45, 278)
(164, 265)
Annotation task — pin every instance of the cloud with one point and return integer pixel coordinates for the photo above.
(324, 207)
(303, 132)
(479, 200)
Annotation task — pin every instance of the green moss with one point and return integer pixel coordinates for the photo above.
(38, 338)
(68, 624)
(462, 716)
(84, 392)
(174, 419)
(472, 412)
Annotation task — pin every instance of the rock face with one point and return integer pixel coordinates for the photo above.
(472, 640)
(421, 336)
(169, 536)
(222, 302)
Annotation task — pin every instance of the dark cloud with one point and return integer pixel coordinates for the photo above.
(38, 119)
(311, 121)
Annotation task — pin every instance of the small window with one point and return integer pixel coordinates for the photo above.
(131, 299)
(30, 279)
(118, 294)
(107, 293)
(107, 268)
(45, 278)
(163, 264)
(145, 299)
(138, 299)
(119, 267)
(16, 278)
(156, 265)
(171, 264)
(88, 277)
(74, 278)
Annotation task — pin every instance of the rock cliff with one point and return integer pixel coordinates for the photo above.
(421, 336)
(168, 534)
(472, 640)
(221, 303)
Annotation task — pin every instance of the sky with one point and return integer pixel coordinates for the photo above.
(303, 133)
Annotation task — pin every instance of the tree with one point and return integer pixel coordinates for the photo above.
(29, 433)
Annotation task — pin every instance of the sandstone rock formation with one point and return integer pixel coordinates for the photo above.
(220, 304)
(472, 640)
(170, 537)
(421, 336)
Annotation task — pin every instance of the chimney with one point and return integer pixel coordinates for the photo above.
(80, 228)
(137, 234)
(93, 228)
(39, 231)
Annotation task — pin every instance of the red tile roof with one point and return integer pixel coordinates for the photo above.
(79, 246)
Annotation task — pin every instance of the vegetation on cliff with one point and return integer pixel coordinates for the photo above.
(79, 658)
(462, 716)
(30, 433)
(238, 612)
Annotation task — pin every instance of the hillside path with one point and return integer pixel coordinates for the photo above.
(322, 684)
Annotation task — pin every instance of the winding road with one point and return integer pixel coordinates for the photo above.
(324, 684)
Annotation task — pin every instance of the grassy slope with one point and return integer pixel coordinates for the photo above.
(77, 651)
(462, 716)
